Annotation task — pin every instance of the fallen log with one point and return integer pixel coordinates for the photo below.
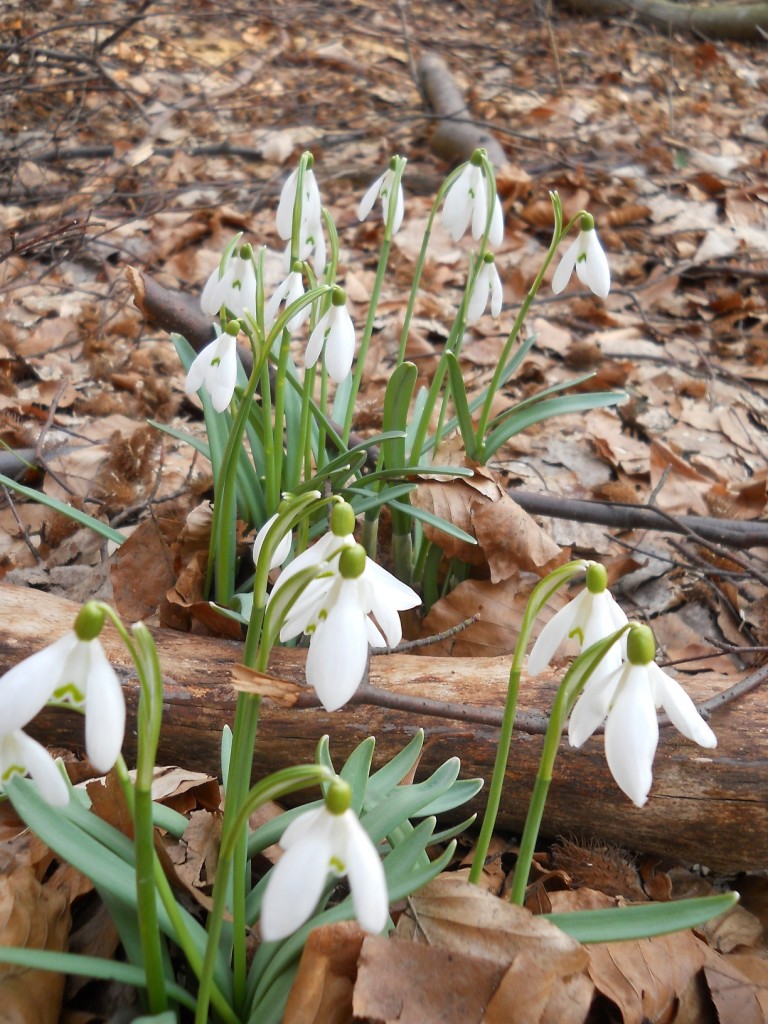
(708, 807)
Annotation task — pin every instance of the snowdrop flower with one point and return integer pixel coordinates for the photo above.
(590, 617)
(335, 333)
(289, 290)
(21, 755)
(216, 368)
(73, 669)
(234, 287)
(311, 237)
(383, 188)
(587, 256)
(282, 550)
(351, 604)
(467, 202)
(327, 840)
(626, 699)
(487, 285)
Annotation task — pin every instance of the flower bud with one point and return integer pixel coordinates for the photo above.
(338, 297)
(232, 327)
(587, 222)
(342, 519)
(478, 157)
(352, 562)
(641, 645)
(90, 621)
(597, 578)
(338, 799)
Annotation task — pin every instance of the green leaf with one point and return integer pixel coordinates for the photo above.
(459, 395)
(643, 920)
(406, 801)
(547, 409)
(397, 401)
(103, 529)
(460, 792)
(382, 782)
(91, 967)
(356, 771)
(433, 520)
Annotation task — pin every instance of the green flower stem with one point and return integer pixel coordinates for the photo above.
(557, 236)
(279, 409)
(567, 692)
(149, 721)
(542, 592)
(225, 510)
(271, 482)
(442, 192)
(381, 270)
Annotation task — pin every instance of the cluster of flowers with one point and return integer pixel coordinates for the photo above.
(233, 284)
(624, 690)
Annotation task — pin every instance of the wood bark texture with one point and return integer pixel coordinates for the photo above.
(455, 138)
(706, 806)
(744, 22)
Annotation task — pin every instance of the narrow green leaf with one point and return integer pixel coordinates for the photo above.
(89, 967)
(433, 520)
(643, 920)
(103, 529)
(397, 401)
(459, 395)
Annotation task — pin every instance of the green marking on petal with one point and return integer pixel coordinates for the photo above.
(581, 258)
(578, 634)
(14, 769)
(69, 692)
(337, 866)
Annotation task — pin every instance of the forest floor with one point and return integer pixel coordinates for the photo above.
(148, 139)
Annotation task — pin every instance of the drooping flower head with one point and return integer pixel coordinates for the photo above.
(384, 188)
(586, 255)
(232, 285)
(290, 290)
(21, 755)
(626, 700)
(350, 605)
(300, 213)
(487, 286)
(589, 617)
(74, 670)
(324, 842)
(216, 368)
(334, 336)
(468, 202)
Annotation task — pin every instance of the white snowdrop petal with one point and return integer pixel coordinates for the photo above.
(27, 687)
(295, 885)
(552, 635)
(631, 735)
(338, 650)
(670, 695)
(19, 750)
(370, 197)
(366, 878)
(565, 267)
(105, 712)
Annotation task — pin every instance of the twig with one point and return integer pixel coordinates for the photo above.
(436, 638)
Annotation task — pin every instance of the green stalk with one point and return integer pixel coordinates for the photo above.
(442, 192)
(568, 691)
(279, 411)
(381, 270)
(542, 592)
(557, 236)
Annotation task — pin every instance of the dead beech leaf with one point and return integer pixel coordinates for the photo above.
(248, 680)
(501, 607)
(35, 917)
(737, 998)
(532, 992)
(469, 921)
(322, 990)
(142, 570)
(403, 983)
(509, 539)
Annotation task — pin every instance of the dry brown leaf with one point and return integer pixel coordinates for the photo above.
(737, 997)
(402, 983)
(142, 569)
(322, 990)
(509, 539)
(35, 917)
(469, 921)
(501, 607)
